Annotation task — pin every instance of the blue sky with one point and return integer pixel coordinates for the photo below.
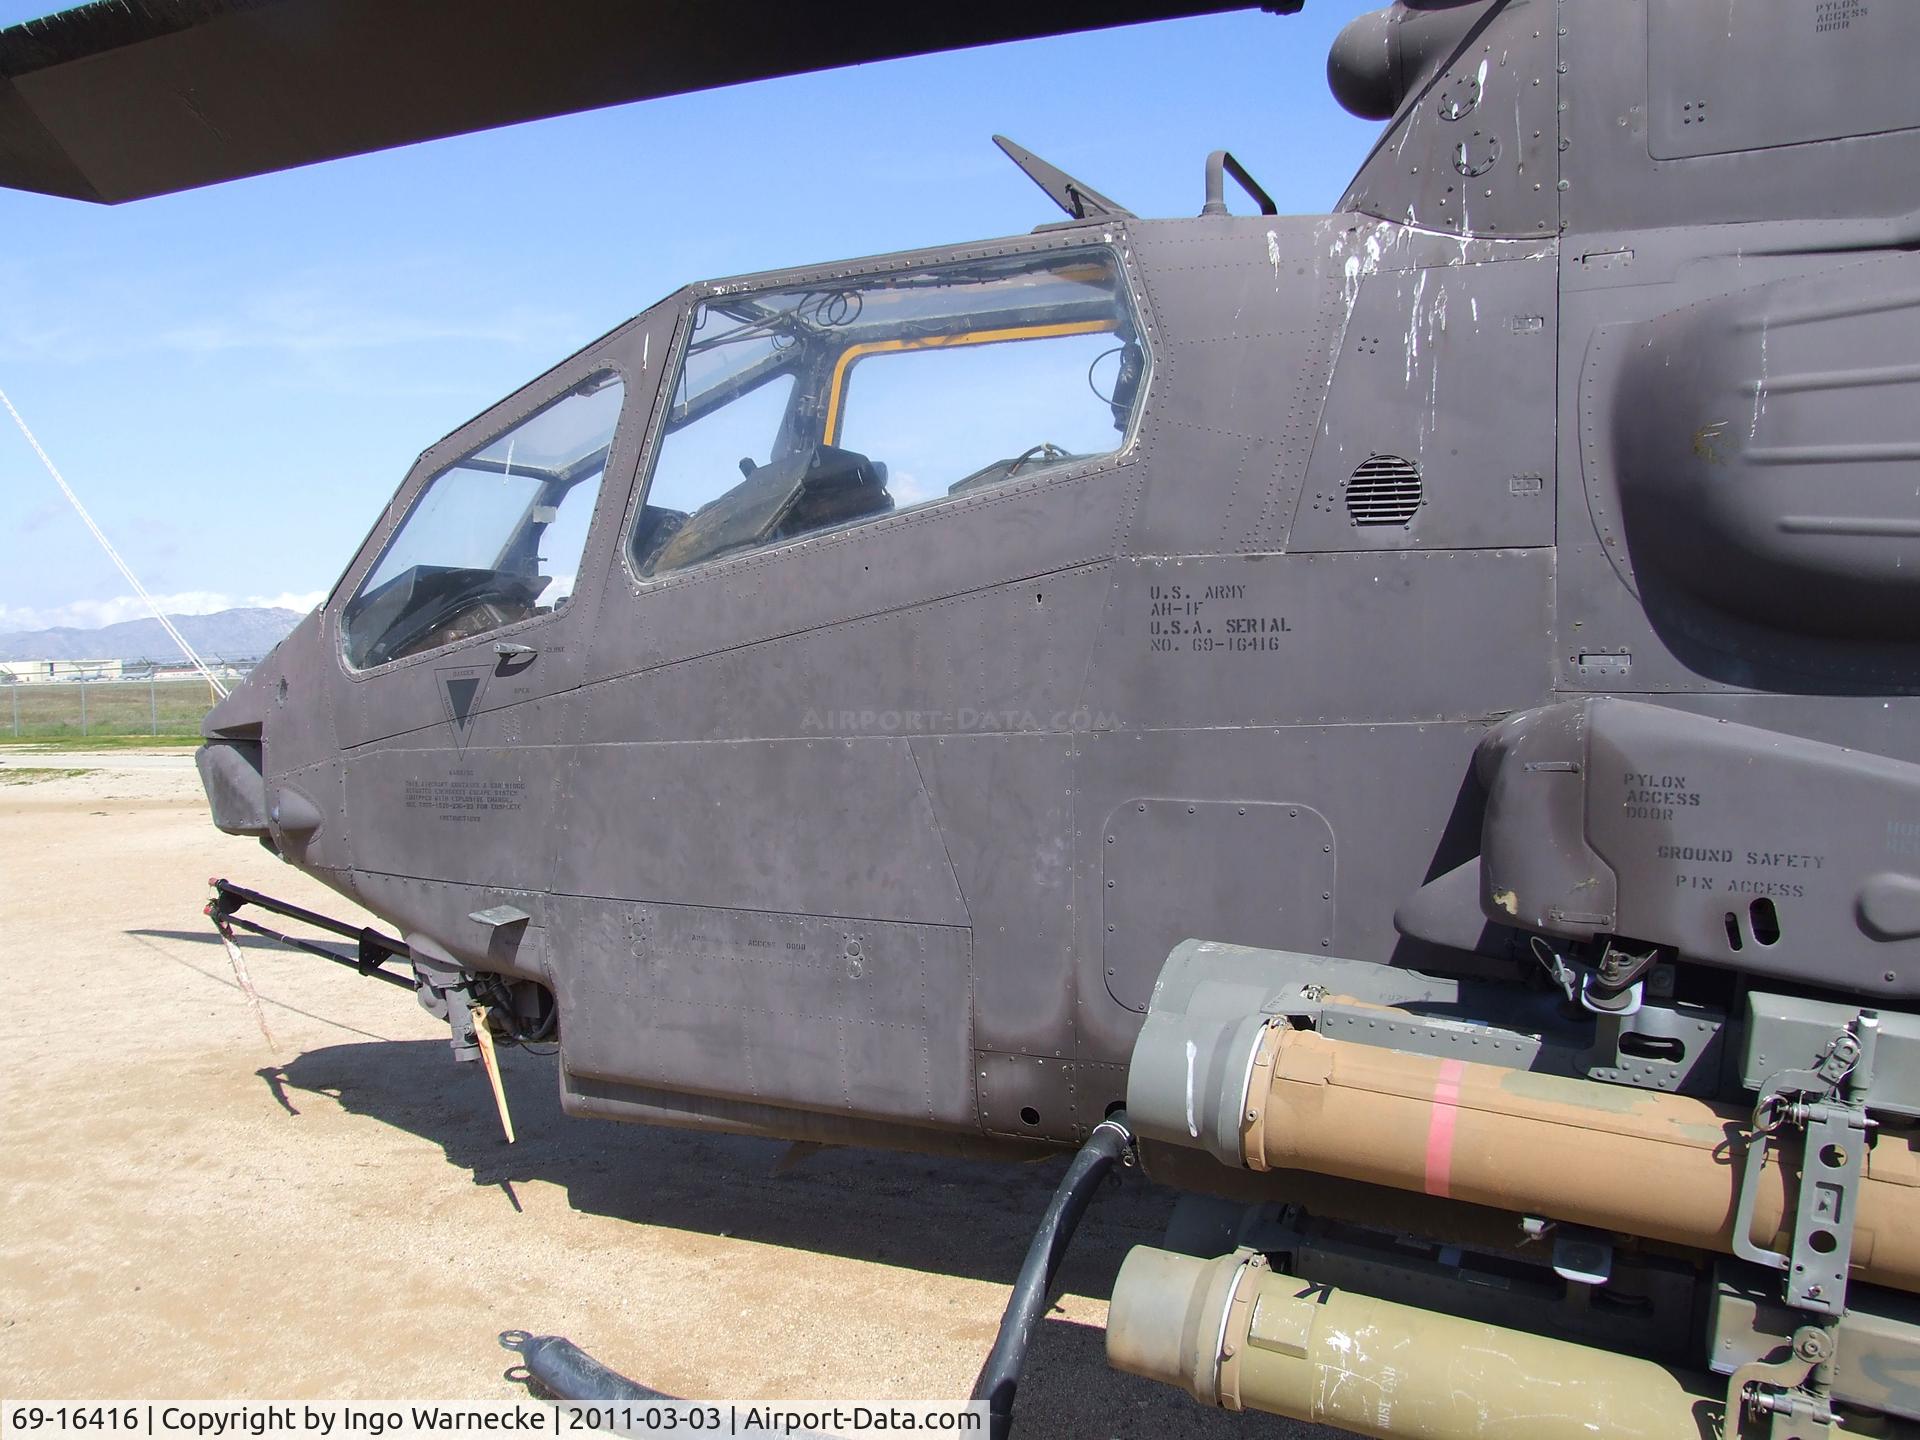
(236, 379)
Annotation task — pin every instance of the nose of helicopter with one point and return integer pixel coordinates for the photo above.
(231, 761)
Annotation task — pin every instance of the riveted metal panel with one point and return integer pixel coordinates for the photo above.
(1768, 73)
(443, 913)
(1472, 148)
(297, 699)
(1615, 125)
(858, 1017)
(1259, 873)
(1241, 361)
(1004, 804)
(1044, 1097)
(1400, 797)
(820, 827)
(1009, 658)
(1450, 367)
(324, 785)
(1007, 533)
(480, 816)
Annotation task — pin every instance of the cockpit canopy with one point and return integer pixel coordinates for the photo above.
(791, 411)
(495, 537)
(800, 410)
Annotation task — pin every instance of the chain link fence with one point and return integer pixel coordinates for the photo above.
(56, 710)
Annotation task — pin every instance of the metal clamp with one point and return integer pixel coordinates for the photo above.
(1613, 986)
(1827, 1104)
(1792, 1413)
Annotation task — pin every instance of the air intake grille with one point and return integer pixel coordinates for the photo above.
(1385, 490)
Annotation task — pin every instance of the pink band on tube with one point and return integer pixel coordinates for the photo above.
(1446, 1101)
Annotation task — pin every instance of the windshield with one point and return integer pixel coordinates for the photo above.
(801, 410)
(494, 538)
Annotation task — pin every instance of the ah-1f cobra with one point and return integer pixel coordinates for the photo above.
(1421, 750)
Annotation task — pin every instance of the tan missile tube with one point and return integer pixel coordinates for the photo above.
(1232, 1333)
(1638, 1161)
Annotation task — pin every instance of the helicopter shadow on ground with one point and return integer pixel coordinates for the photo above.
(946, 1215)
(950, 1216)
(938, 1214)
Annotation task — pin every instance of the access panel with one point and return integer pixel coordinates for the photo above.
(1245, 873)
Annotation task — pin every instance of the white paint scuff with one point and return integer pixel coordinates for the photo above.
(1193, 1122)
(1760, 387)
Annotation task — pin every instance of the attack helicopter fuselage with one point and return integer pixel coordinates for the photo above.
(842, 687)
(889, 827)
(1415, 704)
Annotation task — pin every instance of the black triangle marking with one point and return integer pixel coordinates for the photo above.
(462, 688)
(460, 695)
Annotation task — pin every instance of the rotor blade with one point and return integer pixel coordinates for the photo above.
(124, 99)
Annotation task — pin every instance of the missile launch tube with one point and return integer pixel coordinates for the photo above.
(1232, 1333)
(1640, 1161)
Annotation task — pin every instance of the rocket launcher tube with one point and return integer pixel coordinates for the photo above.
(1232, 1333)
(1642, 1162)
(1615, 1158)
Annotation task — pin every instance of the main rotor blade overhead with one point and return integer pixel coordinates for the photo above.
(124, 99)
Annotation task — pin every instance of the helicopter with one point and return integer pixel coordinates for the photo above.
(1398, 722)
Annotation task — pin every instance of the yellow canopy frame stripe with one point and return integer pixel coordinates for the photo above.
(836, 394)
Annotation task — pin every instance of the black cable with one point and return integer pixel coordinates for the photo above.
(1092, 364)
(565, 1370)
(1000, 1376)
(497, 991)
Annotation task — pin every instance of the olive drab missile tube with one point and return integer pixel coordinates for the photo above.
(1286, 1068)
(1249, 1337)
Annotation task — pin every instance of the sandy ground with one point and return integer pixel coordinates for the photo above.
(188, 1214)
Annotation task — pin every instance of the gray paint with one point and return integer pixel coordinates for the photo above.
(1614, 180)
(1172, 870)
(855, 1017)
(822, 826)
(1511, 573)
(1615, 817)
(1465, 346)
(924, 729)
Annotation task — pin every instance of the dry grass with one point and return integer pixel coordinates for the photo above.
(33, 775)
(67, 744)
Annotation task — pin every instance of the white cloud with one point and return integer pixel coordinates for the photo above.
(301, 603)
(92, 614)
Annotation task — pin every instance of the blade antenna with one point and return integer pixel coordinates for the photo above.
(1078, 199)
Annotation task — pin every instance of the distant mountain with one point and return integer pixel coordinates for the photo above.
(229, 634)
